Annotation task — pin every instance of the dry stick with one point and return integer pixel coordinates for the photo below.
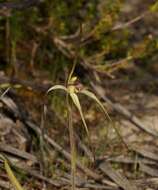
(5, 92)
(119, 179)
(146, 153)
(130, 22)
(16, 152)
(147, 182)
(129, 160)
(123, 111)
(148, 170)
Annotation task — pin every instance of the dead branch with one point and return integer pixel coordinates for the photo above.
(119, 179)
(123, 111)
(16, 152)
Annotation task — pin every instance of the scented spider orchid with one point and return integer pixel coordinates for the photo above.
(72, 90)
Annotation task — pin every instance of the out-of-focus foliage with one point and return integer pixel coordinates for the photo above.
(26, 37)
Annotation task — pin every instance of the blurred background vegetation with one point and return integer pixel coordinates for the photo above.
(96, 30)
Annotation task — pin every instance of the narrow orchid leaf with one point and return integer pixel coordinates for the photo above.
(57, 87)
(76, 101)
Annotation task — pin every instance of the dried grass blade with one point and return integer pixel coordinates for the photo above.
(12, 177)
